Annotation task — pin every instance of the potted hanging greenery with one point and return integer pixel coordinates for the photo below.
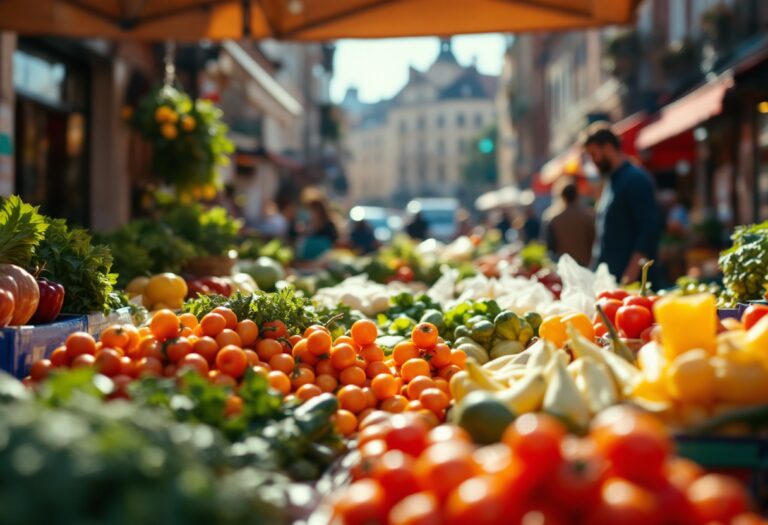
(188, 137)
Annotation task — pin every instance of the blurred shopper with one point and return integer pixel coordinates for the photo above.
(504, 225)
(273, 224)
(362, 238)
(418, 228)
(531, 226)
(628, 216)
(572, 231)
(322, 233)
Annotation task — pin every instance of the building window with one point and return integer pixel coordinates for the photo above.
(460, 120)
(479, 120)
(440, 121)
(440, 146)
(421, 123)
(440, 173)
(403, 126)
(462, 145)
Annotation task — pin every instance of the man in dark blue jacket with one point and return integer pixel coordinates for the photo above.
(628, 225)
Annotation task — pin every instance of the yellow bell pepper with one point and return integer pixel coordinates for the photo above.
(687, 323)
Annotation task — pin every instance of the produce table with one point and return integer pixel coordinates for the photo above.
(468, 383)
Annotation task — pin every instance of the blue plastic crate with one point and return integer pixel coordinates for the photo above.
(20, 346)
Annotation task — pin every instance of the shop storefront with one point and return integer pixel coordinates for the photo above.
(52, 128)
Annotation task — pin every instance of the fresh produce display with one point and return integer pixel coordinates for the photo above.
(743, 265)
(699, 378)
(426, 384)
(542, 378)
(622, 471)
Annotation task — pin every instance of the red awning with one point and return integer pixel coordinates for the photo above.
(686, 113)
(628, 129)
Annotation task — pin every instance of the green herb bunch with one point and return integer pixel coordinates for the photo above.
(68, 257)
(284, 305)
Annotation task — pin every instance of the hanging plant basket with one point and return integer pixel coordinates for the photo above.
(188, 137)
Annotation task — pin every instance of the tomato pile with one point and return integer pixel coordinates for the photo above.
(221, 347)
(622, 472)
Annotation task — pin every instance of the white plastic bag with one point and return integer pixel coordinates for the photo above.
(581, 285)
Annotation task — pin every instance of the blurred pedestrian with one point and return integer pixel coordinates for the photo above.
(572, 231)
(322, 233)
(504, 224)
(273, 224)
(362, 237)
(531, 226)
(628, 216)
(418, 228)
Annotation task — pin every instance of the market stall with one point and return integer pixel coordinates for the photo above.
(179, 370)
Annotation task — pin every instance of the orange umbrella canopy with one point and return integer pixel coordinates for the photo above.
(302, 19)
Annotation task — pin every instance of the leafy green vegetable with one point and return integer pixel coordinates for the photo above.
(84, 269)
(146, 247)
(285, 305)
(211, 231)
(21, 229)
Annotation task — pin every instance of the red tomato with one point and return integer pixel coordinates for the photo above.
(444, 466)
(673, 501)
(361, 503)
(600, 330)
(408, 435)
(639, 300)
(535, 440)
(609, 306)
(477, 501)
(632, 320)
(543, 514)
(394, 472)
(613, 294)
(576, 483)
(625, 503)
(717, 498)
(753, 314)
(635, 443)
(273, 329)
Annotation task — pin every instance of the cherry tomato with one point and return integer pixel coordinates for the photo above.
(613, 294)
(753, 314)
(639, 300)
(609, 306)
(633, 319)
